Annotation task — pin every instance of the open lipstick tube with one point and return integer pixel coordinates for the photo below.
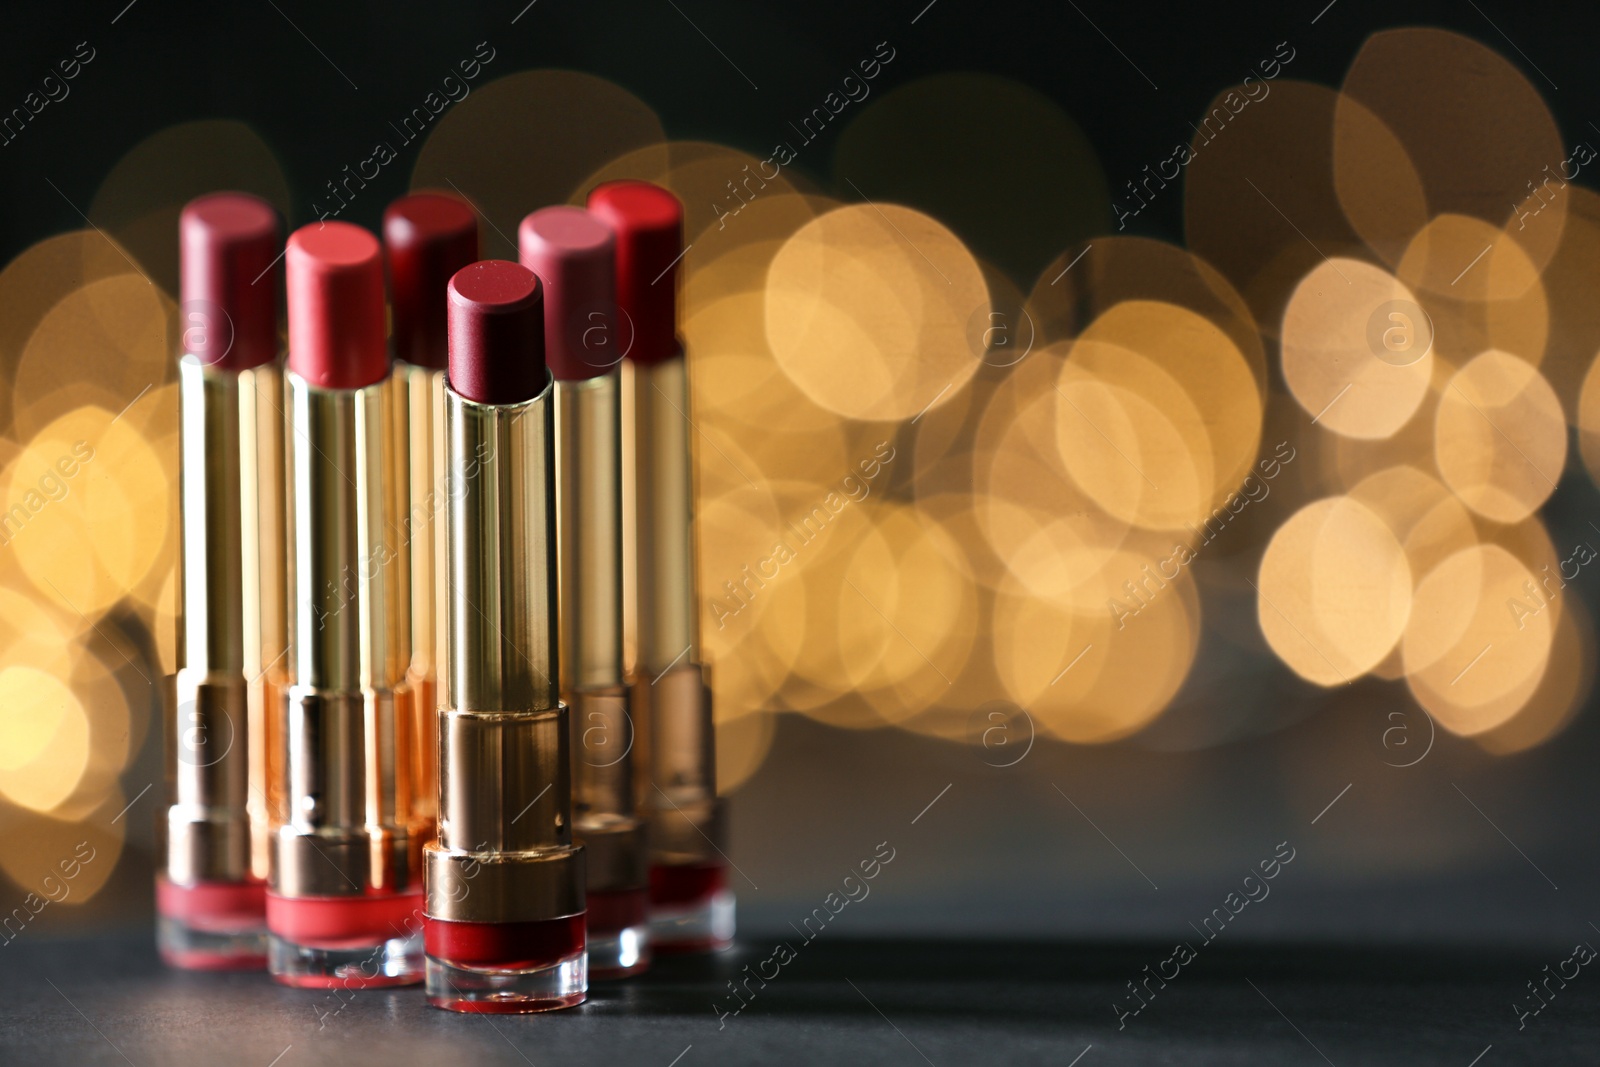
(574, 255)
(505, 882)
(345, 901)
(691, 904)
(211, 890)
(427, 237)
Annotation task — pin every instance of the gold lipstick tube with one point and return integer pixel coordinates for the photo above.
(419, 423)
(589, 539)
(692, 909)
(345, 901)
(230, 644)
(505, 880)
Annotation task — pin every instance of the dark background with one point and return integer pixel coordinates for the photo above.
(1402, 857)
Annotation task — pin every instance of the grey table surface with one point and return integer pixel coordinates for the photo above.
(108, 1000)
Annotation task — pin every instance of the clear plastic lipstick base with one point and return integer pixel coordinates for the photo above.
(194, 948)
(562, 984)
(697, 926)
(391, 962)
(212, 926)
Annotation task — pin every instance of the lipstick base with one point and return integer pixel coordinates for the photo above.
(691, 909)
(503, 992)
(395, 961)
(212, 926)
(507, 968)
(345, 942)
(619, 933)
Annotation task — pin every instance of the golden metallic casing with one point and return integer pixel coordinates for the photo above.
(347, 820)
(589, 546)
(505, 851)
(231, 621)
(419, 421)
(671, 697)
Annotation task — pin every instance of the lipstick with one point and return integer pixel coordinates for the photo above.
(574, 255)
(505, 882)
(427, 237)
(345, 901)
(691, 905)
(211, 891)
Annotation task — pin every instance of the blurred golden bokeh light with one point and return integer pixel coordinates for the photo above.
(1334, 591)
(1500, 438)
(1478, 640)
(867, 310)
(1357, 349)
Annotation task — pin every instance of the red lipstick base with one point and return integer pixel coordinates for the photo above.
(212, 926)
(619, 933)
(507, 968)
(345, 942)
(691, 909)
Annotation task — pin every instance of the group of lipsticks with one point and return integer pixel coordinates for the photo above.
(408, 738)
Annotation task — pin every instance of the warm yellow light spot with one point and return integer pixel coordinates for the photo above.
(1478, 640)
(1429, 522)
(1500, 439)
(1481, 288)
(34, 632)
(111, 335)
(1091, 677)
(867, 310)
(923, 598)
(1334, 591)
(1589, 420)
(1567, 682)
(1132, 456)
(44, 738)
(1085, 281)
(1218, 390)
(90, 502)
(1356, 349)
(1047, 531)
(739, 533)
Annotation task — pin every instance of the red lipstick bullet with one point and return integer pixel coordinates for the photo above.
(505, 883)
(211, 892)
(345, 902)
(574, 254)
(692, 908)
(427, 237)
